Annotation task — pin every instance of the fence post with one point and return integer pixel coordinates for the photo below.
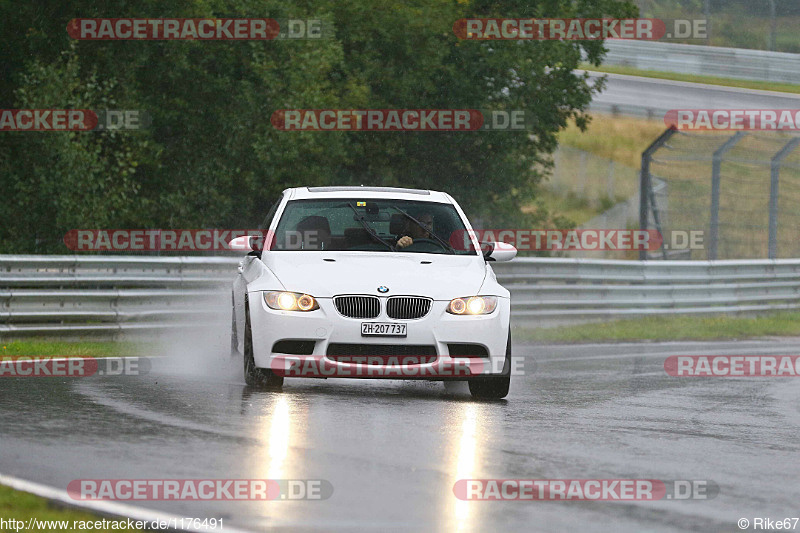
(610, 183)
(713, 233)
(773, 29)
(582, 174)
(775, 171)
(556, 179)
(644, 180)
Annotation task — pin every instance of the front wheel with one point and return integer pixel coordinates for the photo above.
(234, 336)
(253, 375)
(494, 388)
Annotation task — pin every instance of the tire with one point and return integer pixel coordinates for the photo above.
(494, 388)
(234, 335)
(262, 378)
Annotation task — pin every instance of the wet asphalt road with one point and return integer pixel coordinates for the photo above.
(634, 95)
(393, 450)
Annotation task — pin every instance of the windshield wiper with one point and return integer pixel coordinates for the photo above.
(369, 230)
(446, 245)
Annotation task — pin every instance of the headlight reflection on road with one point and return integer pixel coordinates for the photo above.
(280, 428)
(277, 422)
(276, 426)
(465, 462)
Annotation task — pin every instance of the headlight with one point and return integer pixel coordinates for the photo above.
(290, 301)
(472, 305)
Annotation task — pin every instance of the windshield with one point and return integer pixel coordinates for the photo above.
(380, 225)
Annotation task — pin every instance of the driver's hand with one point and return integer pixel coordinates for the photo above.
(404, 241)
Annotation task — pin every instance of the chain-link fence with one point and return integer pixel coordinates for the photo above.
(756, 24)
(594, 192)
(600, 181)
(742, 190)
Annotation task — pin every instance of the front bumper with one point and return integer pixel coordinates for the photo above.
(325, 326)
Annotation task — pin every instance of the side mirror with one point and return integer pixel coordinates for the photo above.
(247, 243)
(498, 251)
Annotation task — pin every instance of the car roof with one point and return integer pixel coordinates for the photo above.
(354, 191)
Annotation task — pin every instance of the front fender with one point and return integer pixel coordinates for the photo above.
(253, 276)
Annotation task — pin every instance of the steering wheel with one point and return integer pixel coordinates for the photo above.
(427, 241)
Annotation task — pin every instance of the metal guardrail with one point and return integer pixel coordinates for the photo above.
(705, 60)
(558, 291)
(59, 295)
(112, 294)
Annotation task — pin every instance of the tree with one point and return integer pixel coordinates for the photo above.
(211, 158)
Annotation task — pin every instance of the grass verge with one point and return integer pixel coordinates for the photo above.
(619, 138)
(577, 210)
(66, 349)
(693, 78)
(670, 328)
(22, 506)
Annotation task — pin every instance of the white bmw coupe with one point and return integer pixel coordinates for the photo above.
(371, 282)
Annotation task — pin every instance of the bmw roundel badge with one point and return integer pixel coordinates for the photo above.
(383, 289)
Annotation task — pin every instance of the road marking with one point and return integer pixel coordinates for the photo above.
(120, 510)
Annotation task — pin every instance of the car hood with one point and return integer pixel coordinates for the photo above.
(441, 277)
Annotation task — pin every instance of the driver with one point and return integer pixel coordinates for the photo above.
(413, 231)
(314, 232)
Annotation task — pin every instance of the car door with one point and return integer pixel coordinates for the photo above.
(250, 268)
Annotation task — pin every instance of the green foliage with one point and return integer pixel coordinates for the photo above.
(67, 180)
(23, 506)
(59, 348)
(211, 157)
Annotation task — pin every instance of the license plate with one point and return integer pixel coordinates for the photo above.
(383, 329)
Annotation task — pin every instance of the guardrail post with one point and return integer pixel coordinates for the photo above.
(773, 28)
(645, 182)
(713, 233)
(775, 172)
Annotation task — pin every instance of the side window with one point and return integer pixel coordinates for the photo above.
(268, 241)
(270, 214)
